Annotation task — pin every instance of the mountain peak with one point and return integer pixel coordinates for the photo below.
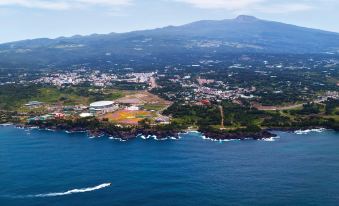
(246, 18)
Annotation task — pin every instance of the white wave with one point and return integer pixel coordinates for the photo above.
(271, 139)
(115, 138)
(144, 137)
(69, 192)
(174, 138)
(218, 140)
(154, 137)
(189, 132)
(6, 124)
(161, 139)
(194, 132)
(43, 129)
(307, 131)
(33, 127)
(169, 138)
(74, 132)
(26, 128)
(95, 136)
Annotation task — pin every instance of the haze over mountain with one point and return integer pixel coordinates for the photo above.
(244, 34)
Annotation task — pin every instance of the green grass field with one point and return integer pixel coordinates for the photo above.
(13, 98)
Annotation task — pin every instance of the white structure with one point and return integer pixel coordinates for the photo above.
(34, 104)
(103, 107)
(84, 115)
(132, 108)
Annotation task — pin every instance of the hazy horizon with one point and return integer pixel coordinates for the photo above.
(30, 19)
(94, 33)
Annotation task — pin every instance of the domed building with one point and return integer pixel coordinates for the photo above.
(102, 107)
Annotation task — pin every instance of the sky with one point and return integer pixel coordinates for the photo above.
(29, 19)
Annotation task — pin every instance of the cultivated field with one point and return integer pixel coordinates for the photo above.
(143, 98)
(128, 117)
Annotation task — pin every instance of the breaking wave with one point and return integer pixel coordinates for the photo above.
(218, 140)
(154, 137)
(307, 131)
(69, 192)
(118, 139)
(271, 139)
(6, 124)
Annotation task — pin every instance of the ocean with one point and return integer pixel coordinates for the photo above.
(55, 168)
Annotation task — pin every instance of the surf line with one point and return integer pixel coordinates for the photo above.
(69, 192)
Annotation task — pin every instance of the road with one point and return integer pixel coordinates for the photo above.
(289, 107)
(153, 83)
(222, 116)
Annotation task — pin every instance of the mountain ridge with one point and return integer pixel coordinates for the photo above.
(240, 18)
(243, 34)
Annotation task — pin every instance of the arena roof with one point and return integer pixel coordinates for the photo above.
(101, 104)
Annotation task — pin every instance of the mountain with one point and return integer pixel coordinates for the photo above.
(244, 34)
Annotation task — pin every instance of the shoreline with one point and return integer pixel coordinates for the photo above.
(115, 134)
(131, 134)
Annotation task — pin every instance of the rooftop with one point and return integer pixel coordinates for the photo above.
(101, 104)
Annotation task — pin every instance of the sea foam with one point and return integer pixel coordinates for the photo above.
(154, 137)
(271, 139)
(69, 192)
(6, 124)
(218, 140)
(118, 139)
(307, 131)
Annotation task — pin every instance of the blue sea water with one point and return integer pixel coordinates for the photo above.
(54, 168)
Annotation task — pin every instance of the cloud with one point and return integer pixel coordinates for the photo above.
(236, 6)
(265, 6)
(284, 8)
(221, 4)
(64, 4)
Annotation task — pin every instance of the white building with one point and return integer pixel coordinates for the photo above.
(103, 107)
(85, 115)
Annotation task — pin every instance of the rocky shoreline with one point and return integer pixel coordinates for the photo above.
(133, 133)
(239, 135)
(118, 134)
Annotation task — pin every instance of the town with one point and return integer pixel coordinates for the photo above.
(128, 96)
